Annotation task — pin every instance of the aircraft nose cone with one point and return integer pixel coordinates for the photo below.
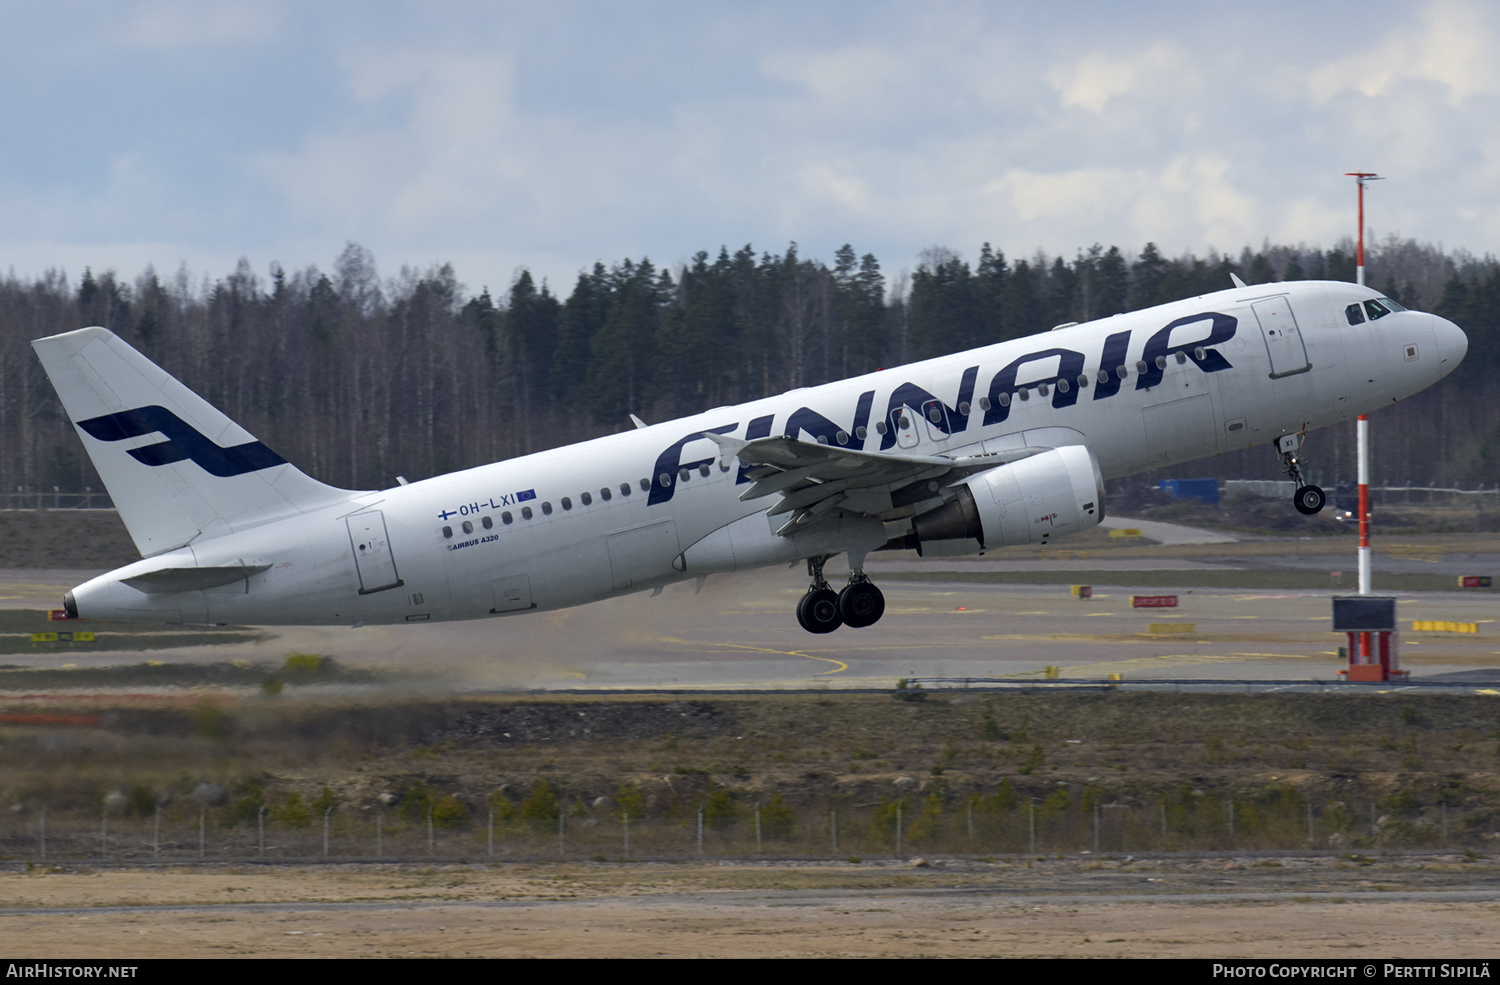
(1452, 343)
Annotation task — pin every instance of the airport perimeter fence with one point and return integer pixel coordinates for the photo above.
(897, 829)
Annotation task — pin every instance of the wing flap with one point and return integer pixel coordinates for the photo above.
(815, 480)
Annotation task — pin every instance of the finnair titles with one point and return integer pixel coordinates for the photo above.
(1003, 445)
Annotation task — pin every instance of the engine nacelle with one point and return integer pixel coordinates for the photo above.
(1054, 494)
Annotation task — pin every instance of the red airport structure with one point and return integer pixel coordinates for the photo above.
(1370, 623)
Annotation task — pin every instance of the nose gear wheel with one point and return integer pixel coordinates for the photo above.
(1308, 499)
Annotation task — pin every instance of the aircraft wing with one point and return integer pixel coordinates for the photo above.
(814, 481)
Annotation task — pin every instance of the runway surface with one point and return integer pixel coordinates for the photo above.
(740, 632)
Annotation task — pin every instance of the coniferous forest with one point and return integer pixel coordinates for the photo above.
(357, 378)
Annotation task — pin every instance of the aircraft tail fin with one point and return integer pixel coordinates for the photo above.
(176, 467)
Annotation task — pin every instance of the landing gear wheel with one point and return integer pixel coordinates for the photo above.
(1309, 500)
(818, 612)
(861, 604)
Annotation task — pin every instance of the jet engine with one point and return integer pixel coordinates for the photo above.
(1052, 494)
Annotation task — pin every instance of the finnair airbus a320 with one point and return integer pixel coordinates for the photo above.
(1003, 445)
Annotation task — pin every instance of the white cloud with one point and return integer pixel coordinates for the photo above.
(1453, 46)
(435, 146)
(1100, 77)
(1068, 195)
(492, 136)
(184, 23)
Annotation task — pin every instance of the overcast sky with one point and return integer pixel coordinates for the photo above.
(553, 134)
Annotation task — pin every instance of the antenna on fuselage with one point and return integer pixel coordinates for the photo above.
(1236, 278)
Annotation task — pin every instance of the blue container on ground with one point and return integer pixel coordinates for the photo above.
(1205, 490)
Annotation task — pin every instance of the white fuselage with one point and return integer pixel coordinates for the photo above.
(625, 512)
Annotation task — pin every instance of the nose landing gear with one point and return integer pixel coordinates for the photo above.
(822, 610)
(1308, 499)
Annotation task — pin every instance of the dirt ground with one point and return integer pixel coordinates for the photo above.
(1210, 907)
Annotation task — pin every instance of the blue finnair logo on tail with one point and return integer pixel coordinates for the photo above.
(183, 441)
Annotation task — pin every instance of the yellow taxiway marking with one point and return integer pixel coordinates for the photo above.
(839, 664)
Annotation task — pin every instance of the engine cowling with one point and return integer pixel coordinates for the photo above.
(1053, 494)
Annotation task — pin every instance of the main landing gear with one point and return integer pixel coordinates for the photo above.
(1308, 499)
(822, 610)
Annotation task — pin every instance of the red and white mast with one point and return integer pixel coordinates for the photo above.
(1363, 427)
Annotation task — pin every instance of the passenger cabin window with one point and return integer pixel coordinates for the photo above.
(645, 485)
(586, 498)
(547, 509)
(1355, 314)
(604, 494)
(506, 518)
(487, 522)
(567, 503)
(526, 513)
(624, 489)
(468, 527)
(447, 533)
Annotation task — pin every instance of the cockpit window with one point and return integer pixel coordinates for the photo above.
(1355, 314)
(1392, 305)
(1376, 310)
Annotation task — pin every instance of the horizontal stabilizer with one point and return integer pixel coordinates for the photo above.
(192, 578)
